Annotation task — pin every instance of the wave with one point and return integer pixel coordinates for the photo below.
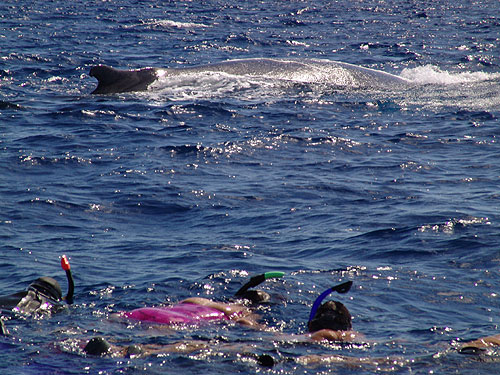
(66, 159)
(447, 227)
(458, 235)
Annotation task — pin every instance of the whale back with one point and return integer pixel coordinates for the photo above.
(111, 80)
(337, 74)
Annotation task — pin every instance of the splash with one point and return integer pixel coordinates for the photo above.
(176, 24)
(211, 85)
(165, 23)
(430, 74)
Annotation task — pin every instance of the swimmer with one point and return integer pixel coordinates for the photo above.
(197, 310)
(43, 296)
(193, 311)
(99, 346)
(330, 321)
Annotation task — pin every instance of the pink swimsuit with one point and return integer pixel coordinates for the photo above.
(183, 313)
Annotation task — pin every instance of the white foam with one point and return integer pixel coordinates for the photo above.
(206, 85)
(430, 74)
(176, 24)
(168, 24)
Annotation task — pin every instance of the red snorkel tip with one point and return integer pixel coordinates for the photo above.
(65, 263)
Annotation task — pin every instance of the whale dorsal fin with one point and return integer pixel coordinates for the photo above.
(111, 80)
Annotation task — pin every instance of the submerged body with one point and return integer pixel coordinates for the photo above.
(196, 310)
(192, 311)
(184, 313)
(337, 74)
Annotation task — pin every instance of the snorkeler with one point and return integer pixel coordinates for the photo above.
(196, 310)
(328, 321)
(189, 312)
(331, 320)
(43, 296)
(99, 346)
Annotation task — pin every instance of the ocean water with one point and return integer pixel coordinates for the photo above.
(191, 187)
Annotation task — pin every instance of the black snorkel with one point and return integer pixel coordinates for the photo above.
(71, 284)
(341, 288)
(257, 296)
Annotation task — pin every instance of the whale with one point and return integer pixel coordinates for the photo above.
(337, 74)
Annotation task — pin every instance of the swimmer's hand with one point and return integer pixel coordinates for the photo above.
(231, 310)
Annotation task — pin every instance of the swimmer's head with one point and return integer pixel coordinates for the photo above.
(256, 296)
(47, 286)
(331, 315)
(97, 346)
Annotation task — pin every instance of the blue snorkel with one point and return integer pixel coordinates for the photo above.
(341, 288)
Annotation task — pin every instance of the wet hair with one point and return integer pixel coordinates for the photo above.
(47, 286)
(97, 346)
(331, 315)
(256, 296)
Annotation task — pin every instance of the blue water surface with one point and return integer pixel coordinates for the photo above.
(202, 181)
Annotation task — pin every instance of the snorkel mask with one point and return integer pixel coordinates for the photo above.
(257, 296)
(340, 310)
(47, 287)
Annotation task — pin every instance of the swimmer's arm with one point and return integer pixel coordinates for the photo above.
(178, 347)
(333, 358)
(251, 321)
(483, 342)
(330, 335)
(131, 351)
(232, 311)
(321, 335)
(198, 301)
(223, 307)
(185, 347)
(238, 313)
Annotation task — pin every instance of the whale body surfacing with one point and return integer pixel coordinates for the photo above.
(337, 74)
